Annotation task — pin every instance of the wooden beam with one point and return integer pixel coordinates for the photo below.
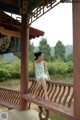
(11, 24)
(10, 32)
(76, 52)
(11, 2)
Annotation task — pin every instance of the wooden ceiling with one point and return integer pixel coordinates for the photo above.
(12, 6)
(15, 6)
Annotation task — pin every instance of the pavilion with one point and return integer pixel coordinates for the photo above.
(30, 11)
(12, 31)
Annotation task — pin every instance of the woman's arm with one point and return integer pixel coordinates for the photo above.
(45, 67)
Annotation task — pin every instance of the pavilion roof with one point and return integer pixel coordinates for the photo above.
(15, 6)
(12, 27)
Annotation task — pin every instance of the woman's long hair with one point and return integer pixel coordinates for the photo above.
(37, 54)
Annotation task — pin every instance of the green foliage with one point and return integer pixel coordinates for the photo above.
(2, 59)
(59, 50)
(4, 75)
(60, 68)
(11, 70)
(31, 51)
(57, 69)
(45, 48)
(31, 71)
(70, 57)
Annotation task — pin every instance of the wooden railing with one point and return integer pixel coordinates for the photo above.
(9, 98)
(58, 92)
(60, 95)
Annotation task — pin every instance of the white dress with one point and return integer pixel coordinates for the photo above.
(40, 71)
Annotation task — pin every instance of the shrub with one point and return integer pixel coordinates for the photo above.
(4, 74)
(57, 67)
(31, 71)
(10, 70)
(60, 68)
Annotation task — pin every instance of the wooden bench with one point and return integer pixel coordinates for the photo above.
(61, 100)
(10, 98)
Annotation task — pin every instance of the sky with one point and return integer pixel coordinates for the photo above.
(57, 25)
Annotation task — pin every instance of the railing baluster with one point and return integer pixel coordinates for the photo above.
(56, 97)
(71, 98)
(66, 96)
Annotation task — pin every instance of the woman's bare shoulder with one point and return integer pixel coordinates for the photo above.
(44, 62)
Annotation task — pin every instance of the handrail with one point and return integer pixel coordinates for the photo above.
(58, 92)
(8, 95)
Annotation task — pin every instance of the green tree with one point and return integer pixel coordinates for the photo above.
(31, 51)
(70, 57)
(59, 51)
(45, 48)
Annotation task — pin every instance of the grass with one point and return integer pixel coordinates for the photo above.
(12, 84)
(54, 116)
(64, 78)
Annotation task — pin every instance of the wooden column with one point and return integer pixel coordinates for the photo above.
(76, 50)
(24, 57)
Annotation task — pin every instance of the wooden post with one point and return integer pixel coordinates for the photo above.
(24, 56)
(76, 51)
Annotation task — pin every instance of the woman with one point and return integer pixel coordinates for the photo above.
(41, 73)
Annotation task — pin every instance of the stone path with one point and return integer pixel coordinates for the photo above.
(23, 115)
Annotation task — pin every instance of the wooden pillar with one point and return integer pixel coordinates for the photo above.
(76, 51)
(24, 57)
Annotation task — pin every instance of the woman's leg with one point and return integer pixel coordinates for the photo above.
(37, 87)
(43, 82)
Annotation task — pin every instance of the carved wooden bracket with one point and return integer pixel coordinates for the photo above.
(40, 114)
